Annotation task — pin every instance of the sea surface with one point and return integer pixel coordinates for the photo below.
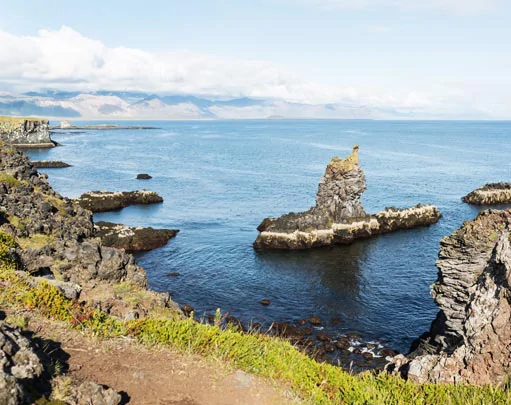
(220, 179)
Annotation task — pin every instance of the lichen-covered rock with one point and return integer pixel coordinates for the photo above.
(88, 393)
(490, 194)
(25, 132)
(101, 201)
(470, 339)
(132, 238)
(18, 365)
(338, 216)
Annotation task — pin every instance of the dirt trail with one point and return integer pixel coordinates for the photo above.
(159, 376)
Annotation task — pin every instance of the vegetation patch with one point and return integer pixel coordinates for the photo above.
(318, 383)
(36, 241)
(9, 180)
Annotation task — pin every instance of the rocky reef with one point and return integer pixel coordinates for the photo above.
(132, 238)
(338, 216)
(490, 194)
(25, 132)
(470, 339)
(101, 201)
(50, 164)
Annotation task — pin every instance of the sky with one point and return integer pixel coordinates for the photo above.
(436, 55)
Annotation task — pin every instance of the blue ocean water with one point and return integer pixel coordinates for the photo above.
(219, 179)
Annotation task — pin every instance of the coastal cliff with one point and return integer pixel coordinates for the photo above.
(470, 339)
(338, 216)
(25, 132)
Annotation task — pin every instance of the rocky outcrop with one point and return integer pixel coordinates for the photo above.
(49, 164)
(132, 238)
(143, 176)
(490, 194)
(338, 216)
(19, 365)
(101, 201)
(470, 339)
(25, 132)
(57, 242)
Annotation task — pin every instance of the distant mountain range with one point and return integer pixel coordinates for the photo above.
(139, 105)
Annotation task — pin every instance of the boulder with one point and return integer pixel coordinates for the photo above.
(19, 365)
(143, 176)
(470, 339)
(490, 194)
(25, 132)
(338, 216)
(132, 238)
(101, 201)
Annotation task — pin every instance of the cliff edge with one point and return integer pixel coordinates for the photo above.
(25, 132)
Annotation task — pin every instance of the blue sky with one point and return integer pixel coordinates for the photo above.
(444, 53)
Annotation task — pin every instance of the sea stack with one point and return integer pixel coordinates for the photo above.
(338, 216)
(470, 339)
(25, 132)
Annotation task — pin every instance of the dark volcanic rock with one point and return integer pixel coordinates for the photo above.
(101, 201)
(144, 176)
(489, 194)
(19, 365)
(338, 216)
(470, 339)
(49, 164)
(132, 238)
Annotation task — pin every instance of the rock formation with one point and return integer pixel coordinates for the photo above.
(49, 164)
(490, 194)
(143, 176)
(338, 216)
(101, 201)
(132, 238)
(19, 365)
(25, 132)
(470, 339)
(57, 241)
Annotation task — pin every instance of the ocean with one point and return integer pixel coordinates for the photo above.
(220, 179)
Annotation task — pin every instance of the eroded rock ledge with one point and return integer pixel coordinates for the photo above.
(25, 132)
(101, 201)
(490, 194)
(50, 164)
(132, 238)
(338, 216)
(470, 339)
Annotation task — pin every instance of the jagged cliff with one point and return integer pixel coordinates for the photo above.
(470, 339)
(25, 132)
(338, 216)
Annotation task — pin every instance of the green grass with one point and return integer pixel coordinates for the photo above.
(317, 383)
(9, 180)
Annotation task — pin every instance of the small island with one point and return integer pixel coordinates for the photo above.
(490, 194)
(338, 217)
(102, 201)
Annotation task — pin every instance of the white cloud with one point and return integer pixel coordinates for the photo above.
(65, 59)
(449, 6)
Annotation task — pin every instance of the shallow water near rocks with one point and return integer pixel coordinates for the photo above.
(220, 179)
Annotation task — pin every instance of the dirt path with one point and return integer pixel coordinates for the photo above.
(159, 376)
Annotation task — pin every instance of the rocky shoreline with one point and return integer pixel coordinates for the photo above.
(338, 217)
(50, 164)
(490, 194)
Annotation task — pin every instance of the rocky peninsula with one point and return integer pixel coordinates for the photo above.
(490, 194)
(338, 216)
(470, 339)
(25, 132)
(132, 239)
(102, 201)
